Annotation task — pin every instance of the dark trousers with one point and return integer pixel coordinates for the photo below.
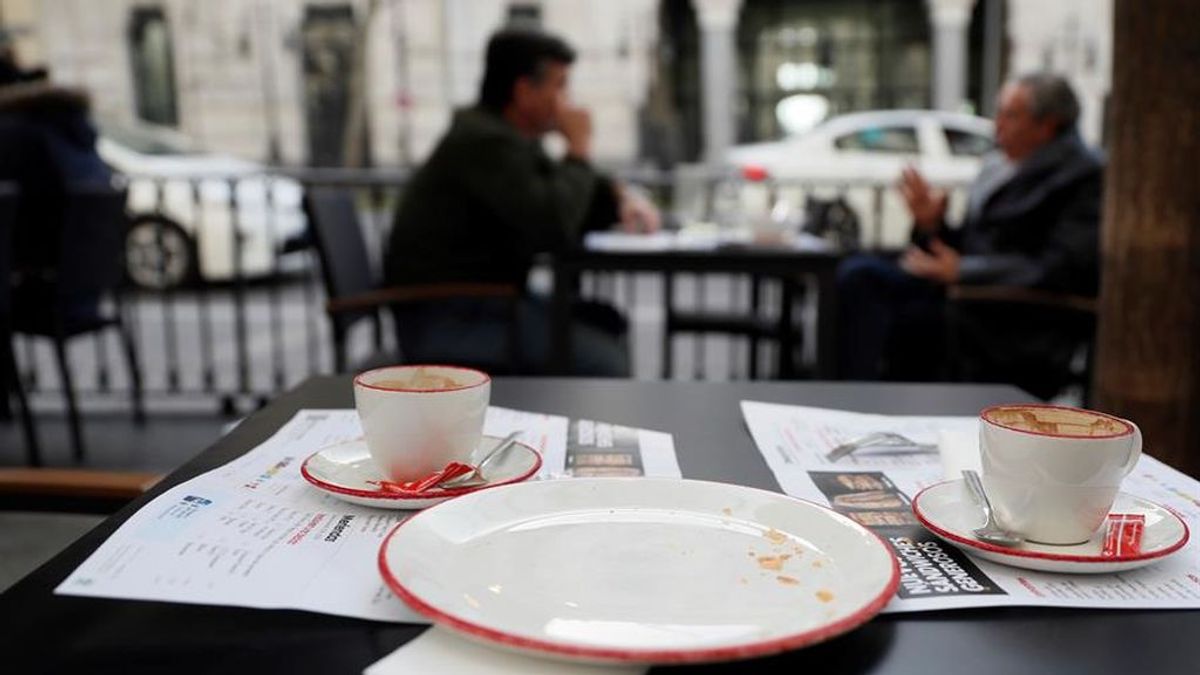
(892, 325)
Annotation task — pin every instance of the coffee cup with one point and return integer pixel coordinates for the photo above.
(416, 419)
(1052, 472)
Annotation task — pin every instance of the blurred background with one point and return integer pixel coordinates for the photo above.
(372, 82)
(727, 112)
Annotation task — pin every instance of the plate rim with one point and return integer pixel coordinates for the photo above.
(381, 495)
(1010, 553)
(655, 656)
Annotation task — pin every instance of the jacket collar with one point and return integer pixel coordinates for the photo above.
(478, 120)
(1058, 162)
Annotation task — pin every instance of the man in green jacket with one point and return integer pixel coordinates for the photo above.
(489, 199)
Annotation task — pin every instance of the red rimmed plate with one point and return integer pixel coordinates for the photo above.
(639, 570)
(346, 471)
(947, 510)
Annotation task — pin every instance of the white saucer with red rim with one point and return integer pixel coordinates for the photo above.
(346, 471)
(947, 510)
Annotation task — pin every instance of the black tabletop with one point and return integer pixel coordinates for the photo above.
(43, 632)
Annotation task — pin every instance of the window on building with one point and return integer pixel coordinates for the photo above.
(525, 14)
(857, 54)
(965, 143)
(150, 54)
(880, 139)
(327, 36)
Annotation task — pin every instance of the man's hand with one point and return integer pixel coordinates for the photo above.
(637, 212)
(926, 204)
(939, 265)
(575, 124)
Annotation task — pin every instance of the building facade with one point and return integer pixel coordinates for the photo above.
(1072, 37)
(276, 79)
(374, 81)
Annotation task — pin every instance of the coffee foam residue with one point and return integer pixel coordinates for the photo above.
(1056, 421)
(421, 379)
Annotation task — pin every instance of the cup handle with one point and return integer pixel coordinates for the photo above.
(1135, 450)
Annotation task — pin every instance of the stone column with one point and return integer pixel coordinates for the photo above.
(949, 19)
(718, 73)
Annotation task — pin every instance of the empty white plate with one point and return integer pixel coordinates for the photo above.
(346, 471)
(946, 510)
(639, 570)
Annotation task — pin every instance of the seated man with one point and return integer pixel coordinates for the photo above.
(489, 198)
(1032, 221)
(47, 148)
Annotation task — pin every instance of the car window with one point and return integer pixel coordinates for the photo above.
(967, 143)
(880, 139)
(144, 143)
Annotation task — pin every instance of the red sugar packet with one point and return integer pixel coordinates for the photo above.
(451, 470)
(1123, 534)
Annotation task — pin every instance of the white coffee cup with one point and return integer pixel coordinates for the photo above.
(416, 419)
(1052, 472)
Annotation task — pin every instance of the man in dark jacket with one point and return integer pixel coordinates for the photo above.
(1032, 221)
(489, 199)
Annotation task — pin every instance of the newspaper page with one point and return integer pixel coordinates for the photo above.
(875, 487)
(254, 533)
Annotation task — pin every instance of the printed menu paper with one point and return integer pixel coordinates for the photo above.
(875, 487)
(254, 533)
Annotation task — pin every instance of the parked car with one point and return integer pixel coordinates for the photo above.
(847, 156)
(185, 232)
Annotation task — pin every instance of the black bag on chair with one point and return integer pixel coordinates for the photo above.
(832, 220)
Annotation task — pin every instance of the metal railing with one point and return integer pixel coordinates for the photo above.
(247, 320)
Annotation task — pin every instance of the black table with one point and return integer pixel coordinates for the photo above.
(791, 266)
(42, 632)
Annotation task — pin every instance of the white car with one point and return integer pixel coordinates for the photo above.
(853, 155)
(181, 210)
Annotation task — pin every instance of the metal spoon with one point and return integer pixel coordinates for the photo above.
(476, 476)
(877, 439)
(991, 532)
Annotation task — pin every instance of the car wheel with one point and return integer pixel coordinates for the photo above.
(159, 255)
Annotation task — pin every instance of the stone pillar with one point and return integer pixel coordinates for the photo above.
(950, 19)
(993, 48)
(717, 20)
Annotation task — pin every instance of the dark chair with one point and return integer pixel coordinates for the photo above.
(748, 324)
(345, 266)
(353, 289)
(67, 300)
(1069, 316)
(10, 381)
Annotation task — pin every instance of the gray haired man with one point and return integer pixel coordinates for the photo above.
(1032, 221)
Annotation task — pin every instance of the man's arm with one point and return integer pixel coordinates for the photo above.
(541, 201)
(1070, 259)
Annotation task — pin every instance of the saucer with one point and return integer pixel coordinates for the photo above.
(346, 471)
(948, 511)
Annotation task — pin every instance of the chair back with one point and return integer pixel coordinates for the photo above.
(8, 213)
(341, 247)
(92, 241)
